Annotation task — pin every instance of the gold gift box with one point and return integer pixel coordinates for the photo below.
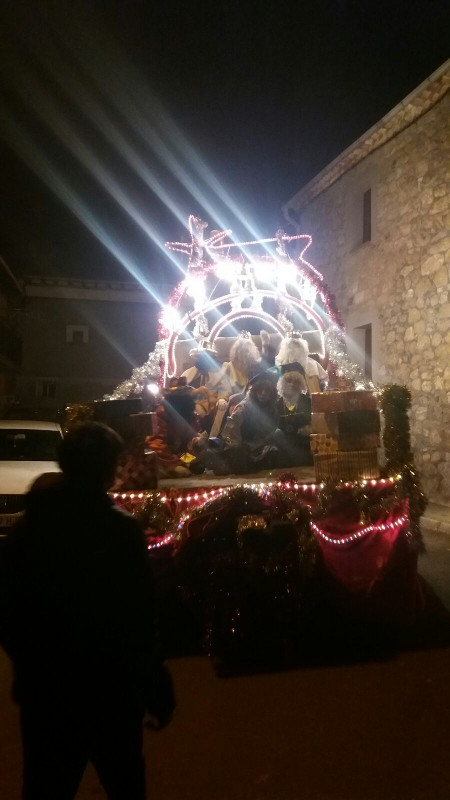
(348, 466)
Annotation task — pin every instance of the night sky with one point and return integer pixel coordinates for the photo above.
(123, 116)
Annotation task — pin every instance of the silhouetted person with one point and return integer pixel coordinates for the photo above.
(77, 621)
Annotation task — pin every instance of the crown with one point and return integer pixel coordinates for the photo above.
(295, 335)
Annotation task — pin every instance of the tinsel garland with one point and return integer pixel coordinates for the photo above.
(357, 494)
(153, 515)
(336, 349)
(246, 560)
(76, 413)
(150, 371)
(228, 513)
(395, 402)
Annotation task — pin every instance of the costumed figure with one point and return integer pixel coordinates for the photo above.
(211, 384)
(248, 433)
(316, 376)
(294, 350)
(294, 427)
(176, 427)
(246, 361)
(294, 404)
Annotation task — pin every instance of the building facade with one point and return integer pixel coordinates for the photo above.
(11, 301)
(379, 218)
(81, 338)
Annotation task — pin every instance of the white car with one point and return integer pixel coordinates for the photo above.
(27, 449)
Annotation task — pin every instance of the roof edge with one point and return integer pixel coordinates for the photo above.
(396, 120)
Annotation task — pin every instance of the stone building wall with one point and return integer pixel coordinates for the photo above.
(399, 280)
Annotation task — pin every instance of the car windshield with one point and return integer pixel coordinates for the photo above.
(28, 445)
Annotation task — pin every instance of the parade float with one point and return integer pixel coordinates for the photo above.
(350, 512)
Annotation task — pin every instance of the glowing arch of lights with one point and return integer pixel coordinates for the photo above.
(170, 369)
(244, 313)
(210, 256)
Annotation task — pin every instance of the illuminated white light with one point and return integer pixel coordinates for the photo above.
(360, 533)
(195, 288)
(153, 388)
(227, 269)
(170, 318)
(264, 271)
(286, 274)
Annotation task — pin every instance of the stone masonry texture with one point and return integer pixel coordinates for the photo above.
(401, 277)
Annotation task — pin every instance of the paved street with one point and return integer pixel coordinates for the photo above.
(361, 731)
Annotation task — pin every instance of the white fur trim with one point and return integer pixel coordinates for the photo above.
(292, 350)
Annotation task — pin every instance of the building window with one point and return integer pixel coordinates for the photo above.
(360, 216)
(362, 337)
(46, 389)
(77, 334)
(367, 216)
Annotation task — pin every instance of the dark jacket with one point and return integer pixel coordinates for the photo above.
(250, 424)
(76, 606)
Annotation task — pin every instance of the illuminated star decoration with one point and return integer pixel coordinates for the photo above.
(194, 249)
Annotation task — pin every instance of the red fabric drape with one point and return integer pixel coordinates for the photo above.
(359, 563)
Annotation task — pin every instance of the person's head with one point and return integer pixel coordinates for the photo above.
(263, 391)
(206, 361)
(244, 354)
(293, 349)
(89, 455)
(291, 385)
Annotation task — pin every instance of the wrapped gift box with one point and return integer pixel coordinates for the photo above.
(107, 410)
(348, 466)
(362, 400)
(345, 424)
(323, 444)
(143, 424)
(358, 423)
(365, 441)
(324, 423)
(323, 402)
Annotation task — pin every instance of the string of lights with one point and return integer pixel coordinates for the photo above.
(261, 486)
(360, 533)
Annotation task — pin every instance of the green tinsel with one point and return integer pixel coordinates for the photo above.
(395, 403)
(154, 515)
(76, 413)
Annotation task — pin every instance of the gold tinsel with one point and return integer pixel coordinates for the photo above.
(76, 413)
(250, 521)
(154, 514)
